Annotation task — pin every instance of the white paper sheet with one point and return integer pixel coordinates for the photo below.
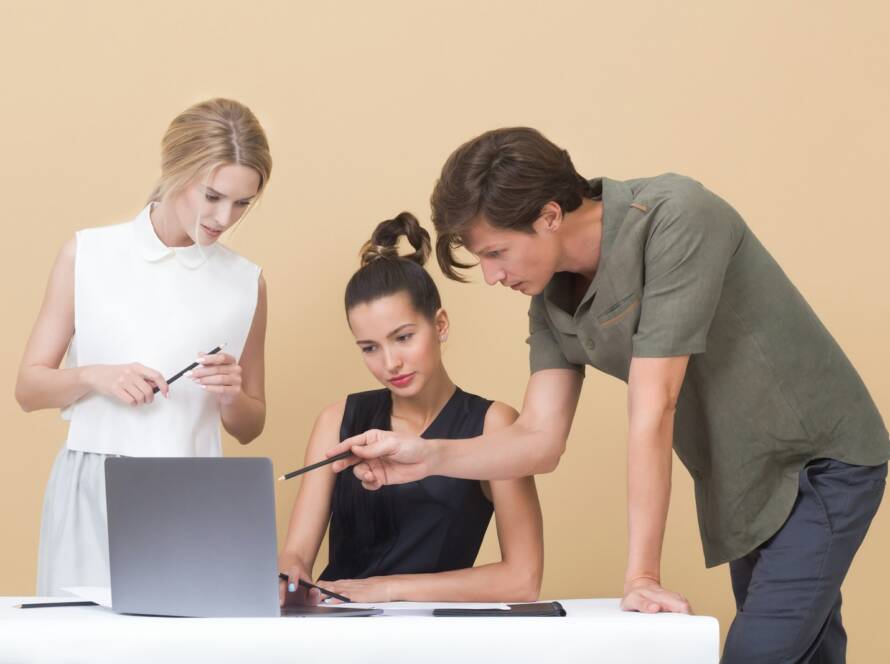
(99, 594)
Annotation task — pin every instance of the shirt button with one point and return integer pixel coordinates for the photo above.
(589, 343)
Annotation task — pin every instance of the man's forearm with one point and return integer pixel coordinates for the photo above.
(532, 445)
(509, 453)
(649, 491)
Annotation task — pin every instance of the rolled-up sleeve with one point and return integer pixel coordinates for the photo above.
(544, 351)
(687, 254)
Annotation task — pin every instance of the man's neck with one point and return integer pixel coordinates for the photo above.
(582, 238)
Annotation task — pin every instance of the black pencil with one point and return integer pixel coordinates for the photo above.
(179, 375)
(294, 473)
(305, 584)
(46, 605)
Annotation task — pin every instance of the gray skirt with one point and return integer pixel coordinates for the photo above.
(74, 527)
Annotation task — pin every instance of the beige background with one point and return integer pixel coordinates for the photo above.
(779, 107)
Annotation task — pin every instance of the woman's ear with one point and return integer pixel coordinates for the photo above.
(442, 325)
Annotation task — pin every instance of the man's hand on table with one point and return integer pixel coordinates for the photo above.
(647, 596)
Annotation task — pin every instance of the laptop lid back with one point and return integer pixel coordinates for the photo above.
(192, 536)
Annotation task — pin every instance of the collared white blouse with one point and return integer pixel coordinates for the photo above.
(138, 300)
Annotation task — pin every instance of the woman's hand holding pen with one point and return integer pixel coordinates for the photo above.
(131, 384)
(220, 374)
(384, 457)
(290, 592)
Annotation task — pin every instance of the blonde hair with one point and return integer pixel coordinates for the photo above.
(208, 135)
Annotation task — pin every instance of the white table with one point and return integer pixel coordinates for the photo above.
(595, 630)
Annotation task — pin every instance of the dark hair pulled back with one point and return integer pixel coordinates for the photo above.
(384, 272)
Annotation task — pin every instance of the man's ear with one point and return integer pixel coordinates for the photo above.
(551, 216)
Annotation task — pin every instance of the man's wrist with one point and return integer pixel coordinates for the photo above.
(636, 580)
(437, 458)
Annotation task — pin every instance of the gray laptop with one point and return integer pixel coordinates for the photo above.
(195, 537)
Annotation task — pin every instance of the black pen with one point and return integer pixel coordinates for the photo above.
(337, 457)
(46, 605)
(305, 584)
(179, 375)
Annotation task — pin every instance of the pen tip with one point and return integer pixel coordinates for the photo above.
(281, 478)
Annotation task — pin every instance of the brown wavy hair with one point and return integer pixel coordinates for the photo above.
(505, 176)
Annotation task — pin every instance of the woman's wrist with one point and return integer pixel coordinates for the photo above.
(394, 587)
(230, 404)
(289, 558)
(83, 376)
(241, 406)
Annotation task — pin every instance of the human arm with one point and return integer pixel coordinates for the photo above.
(312, 507)
(515, 578)
(42, 384)
(653, 388)
(240, 386)
(688, 254)
(533, 444)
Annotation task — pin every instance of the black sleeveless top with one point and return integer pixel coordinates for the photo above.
(434, 525)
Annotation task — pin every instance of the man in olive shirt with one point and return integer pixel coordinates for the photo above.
(660, 283)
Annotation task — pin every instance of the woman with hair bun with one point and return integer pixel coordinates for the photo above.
(134, 302)
(415, 541)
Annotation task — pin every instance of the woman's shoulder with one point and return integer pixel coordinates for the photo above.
(324, 431)
(331, 414)
(499, 415)
(232, 257)
(496, 414)
(101, 243)
(366, 410)
(334, 413)
(117, 225)
(109, 232)
(367, 398)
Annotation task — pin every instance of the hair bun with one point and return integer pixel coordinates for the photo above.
(384, 242)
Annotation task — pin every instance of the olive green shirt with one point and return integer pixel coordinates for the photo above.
(767, 388)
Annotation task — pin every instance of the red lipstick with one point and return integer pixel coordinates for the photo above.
(402, 381)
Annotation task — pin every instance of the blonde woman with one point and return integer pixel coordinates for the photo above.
(137, 301)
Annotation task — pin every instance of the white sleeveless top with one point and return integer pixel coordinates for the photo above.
(138, 300)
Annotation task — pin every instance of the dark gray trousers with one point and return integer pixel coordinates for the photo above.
(788, 590)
